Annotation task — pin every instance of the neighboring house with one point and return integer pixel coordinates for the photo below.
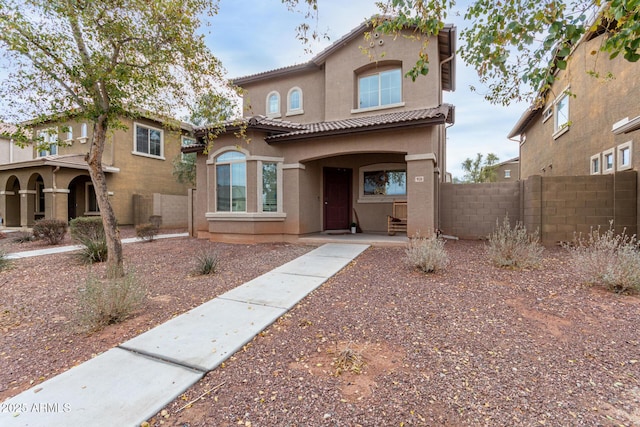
(508, 170)
(56, 183)
(587, 125)
(9, 151)
(331, 141)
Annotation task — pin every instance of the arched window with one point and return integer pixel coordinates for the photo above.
(273, 104)
(294, 101)
(231, 182)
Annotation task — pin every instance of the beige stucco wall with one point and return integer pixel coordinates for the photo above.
(597, 105)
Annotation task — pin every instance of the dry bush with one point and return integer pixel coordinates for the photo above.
(514, 247)
(147, 231)
(610, 259)
(427, 253)
(50, 230)
(348, 360)
(89, 232)
(106, 302)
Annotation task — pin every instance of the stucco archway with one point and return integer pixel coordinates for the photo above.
(12, 202)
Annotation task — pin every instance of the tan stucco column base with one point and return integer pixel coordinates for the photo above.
(421, 194)
(27, 207)
(56, 203)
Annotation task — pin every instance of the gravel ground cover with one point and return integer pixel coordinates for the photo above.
(379, 344)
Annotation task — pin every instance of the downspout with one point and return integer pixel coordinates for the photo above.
(53, 193)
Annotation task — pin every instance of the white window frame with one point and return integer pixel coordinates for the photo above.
(362, 198)
(507, 173)
(294, 111)
(69, 139)
(268, 112)
(547, 113)
(83, 133)
(49, 136)
(231, 162)
(135, 145)
(560, 128)
(279, 198)
(379, 106)
(619, 156)
(612, 153)
(598, 158)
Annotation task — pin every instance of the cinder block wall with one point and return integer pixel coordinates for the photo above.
(470, 211)
(558, 207)
(562, 206)
(173, 209)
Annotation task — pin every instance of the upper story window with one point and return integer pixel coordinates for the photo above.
(294, 102)
(561, 115)
(83, 133)
(595, 167)
(231, 182)
(381, 89)
(49, 138)
(273, 104)
(148, 141)
(188, 157)
(507, 173)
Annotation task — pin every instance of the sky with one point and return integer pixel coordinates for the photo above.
(259, 35)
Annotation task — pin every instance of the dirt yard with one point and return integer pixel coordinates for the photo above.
(473, 345)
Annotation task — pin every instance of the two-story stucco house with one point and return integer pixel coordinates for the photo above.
(9, 151)
(56, 183)
(333, 140)
(589, 123)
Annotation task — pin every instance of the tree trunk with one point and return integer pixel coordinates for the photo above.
(115, 265)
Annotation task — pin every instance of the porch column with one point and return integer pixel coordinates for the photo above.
(27, 207)
(421, 194)
(291, 177)
(56, 203)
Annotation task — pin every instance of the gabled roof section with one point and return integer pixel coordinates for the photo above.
(426, 117)
(446, 49)
(283, 131)
(71, 161)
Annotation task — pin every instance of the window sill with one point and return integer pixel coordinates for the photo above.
(294, 113)
(83, 140)
(385, 199)
(246, 216)
(379, 107)
(150, 156)
(274, 115)
(557, 134)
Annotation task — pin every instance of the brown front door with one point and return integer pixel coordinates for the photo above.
(337, 198)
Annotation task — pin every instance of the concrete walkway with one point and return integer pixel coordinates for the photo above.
(71, 248)
(130, 383)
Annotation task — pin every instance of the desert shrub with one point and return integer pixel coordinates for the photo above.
(86, 227)
(348, 360)
(4, 261)
(50, 230)
(22, 238)
(89, 232)
(427, 253)
(3, 235)
(207, 262)
(609, 259)
(146, 231)
(514, 247)
(106, 302)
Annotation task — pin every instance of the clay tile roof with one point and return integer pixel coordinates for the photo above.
(7, 128)
(441, 114)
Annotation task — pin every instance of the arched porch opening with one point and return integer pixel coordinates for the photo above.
(12, 202)
(81, 196)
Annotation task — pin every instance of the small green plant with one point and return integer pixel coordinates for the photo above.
(514, 247)
(89, 232)
(4, 261)
(50, 230)
(106, 302)
(207, 262)
(147, 231)
(607, 258)
(427, 253)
